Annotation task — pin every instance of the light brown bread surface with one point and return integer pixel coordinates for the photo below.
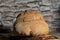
(32, 23)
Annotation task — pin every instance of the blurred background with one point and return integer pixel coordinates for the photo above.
(9, 10)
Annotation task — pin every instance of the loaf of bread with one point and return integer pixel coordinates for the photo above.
(31, 22)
